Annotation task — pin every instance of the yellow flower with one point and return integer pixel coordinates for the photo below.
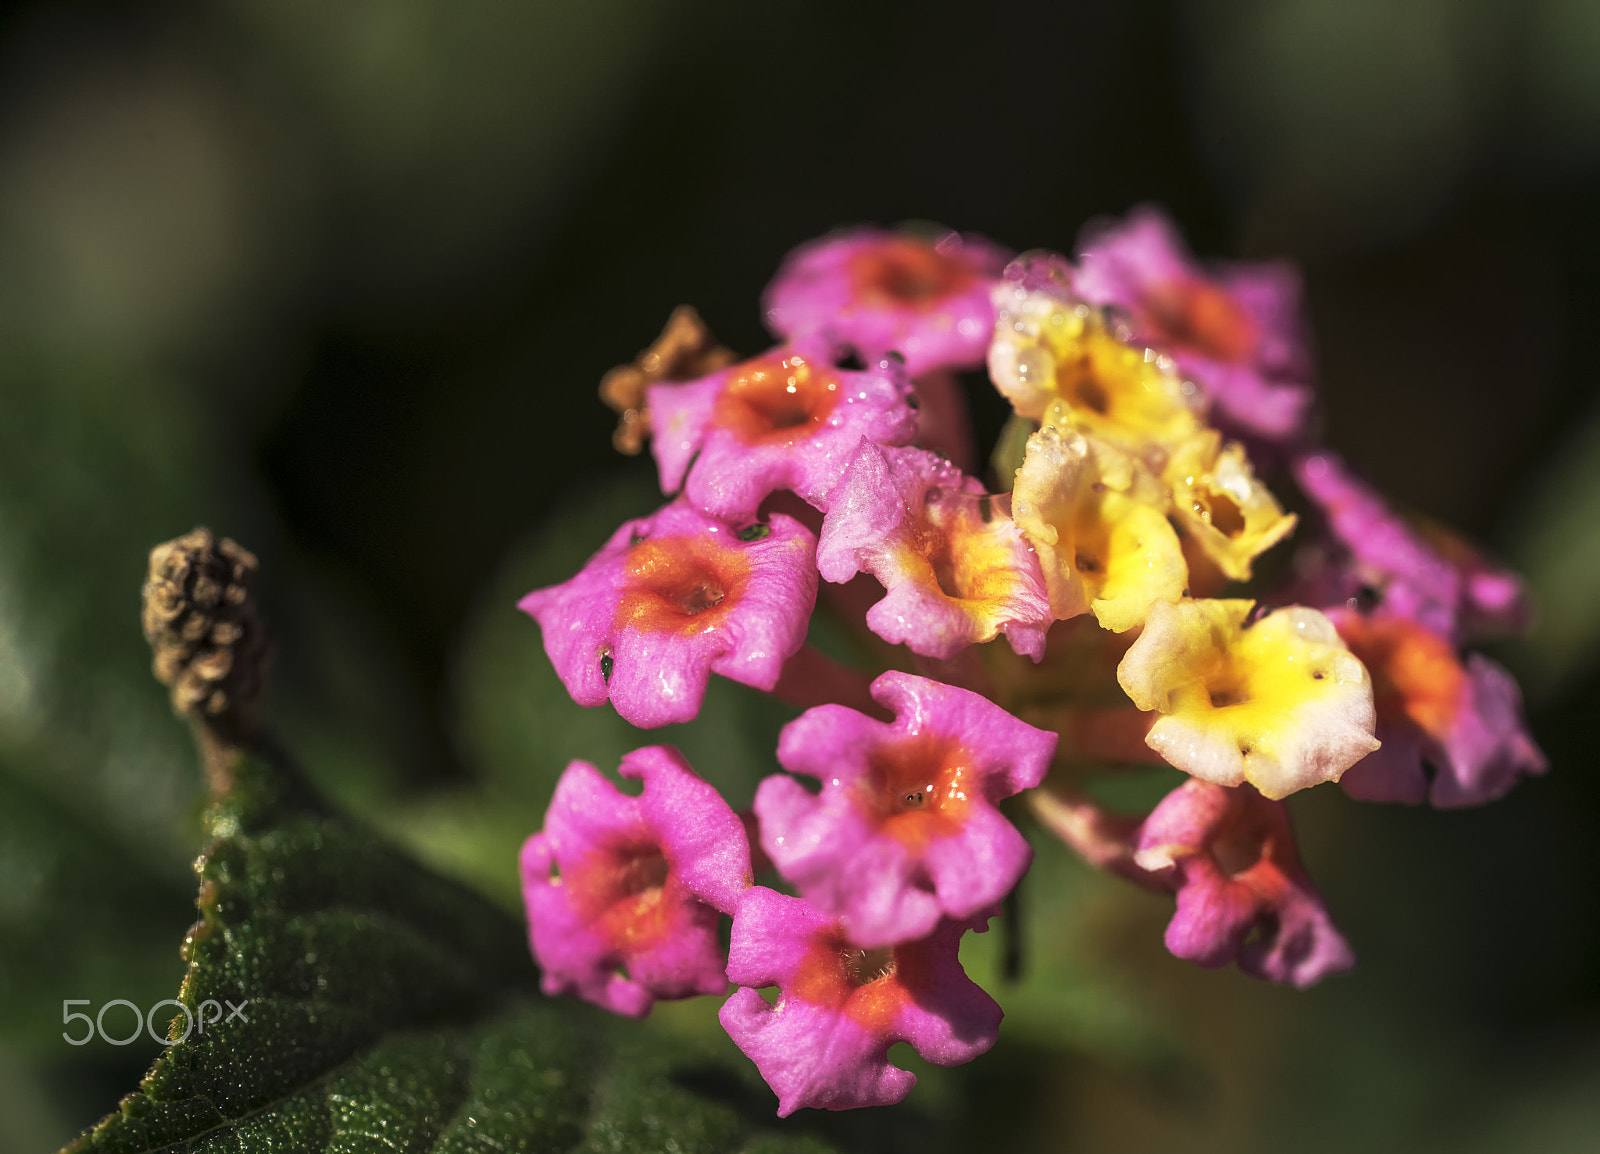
(1280, 703)
(1057, 362)
(1097, 518)
(1221, 505)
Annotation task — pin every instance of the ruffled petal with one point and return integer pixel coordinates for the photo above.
(622, 892)
(1242, 894)
(786, 420)
(1412, 580)
(904, 830)
(704, 841)
(1098, 520)
(1463, 719)
(1058, 361)
(840, 1007)
(877, 291)
(1220, 504)
(1238, 333)
(669, 600)
(1280, 702)
(956, 570)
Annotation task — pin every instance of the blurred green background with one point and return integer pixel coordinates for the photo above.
(339, 278)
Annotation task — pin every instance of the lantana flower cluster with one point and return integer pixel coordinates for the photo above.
(1095, 606)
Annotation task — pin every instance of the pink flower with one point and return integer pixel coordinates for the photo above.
(1461, 716)
(623, 892)
(1236, 331)
(1465, 720)
(957, 570)
(671, 599)
(1242, 896)
(878, 291)
(1423, 573)
(1413, 581)
(841, 1006)
(1494, 601)
(786, 420)
(905, 830)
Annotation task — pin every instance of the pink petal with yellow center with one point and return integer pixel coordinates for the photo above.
(1237, 332)
(957, 571)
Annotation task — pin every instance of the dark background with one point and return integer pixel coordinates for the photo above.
(339, 279)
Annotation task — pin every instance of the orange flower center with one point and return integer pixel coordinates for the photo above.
(619, 891)
(1415, 673)
(776, 400)
(903, 272)
(683, 585)
(917, 788)
(1200, 315)
(864, 984)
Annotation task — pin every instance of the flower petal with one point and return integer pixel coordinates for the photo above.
(1242, 895)
(669, 600)
(1413, 580)
(1237, 333)
(616, 883)
(904, 830)
(877, 291)
(1219, 502)
(956, 570)
(785, 420)
(1098, 520)
(840, 1006)
(1058, 361)
(1280, 703)
(1463, 719)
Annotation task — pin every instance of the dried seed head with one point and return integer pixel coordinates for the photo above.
(684, 350)
(209, 647)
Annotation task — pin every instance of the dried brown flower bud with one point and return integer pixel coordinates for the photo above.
(210, 648)
(684, 350)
